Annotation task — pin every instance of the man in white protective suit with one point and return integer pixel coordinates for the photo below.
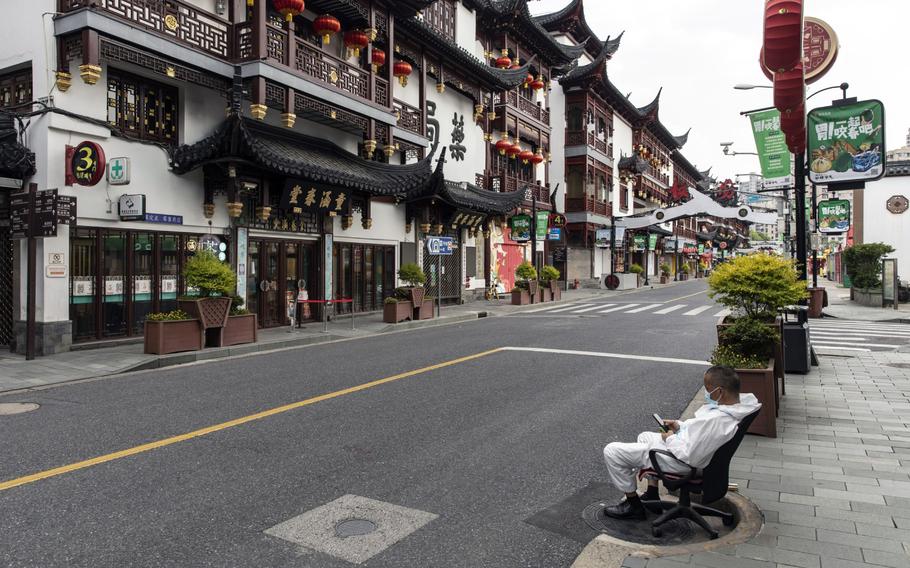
(692, 441)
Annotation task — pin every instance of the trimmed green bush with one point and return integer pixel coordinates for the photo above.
(684, 269)
(864, 264)
(665, 269)
(411, 274)
(526, 272)
(548, 273)
(756, 285)
(728, 356)
(636, 268)
(175, 315)
(209, 275)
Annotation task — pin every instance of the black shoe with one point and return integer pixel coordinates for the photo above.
(651, 507)
(627, 510)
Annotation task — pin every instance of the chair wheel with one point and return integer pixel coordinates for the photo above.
(713, 535)
(657, 532)
(728, 521)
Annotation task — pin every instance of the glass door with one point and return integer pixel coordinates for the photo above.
(113, 306)
(273, 305)
(290, 280)
(143, 269)
(83, 275)
(252, 278)
(167, 286)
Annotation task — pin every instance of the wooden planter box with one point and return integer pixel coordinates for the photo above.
(239, 330)
(534, 291)
(664, 279)
(212, 313)
(521, 298)
(683, 275)
(555, 291)
(545, 294)
(761, 383)
(426, 310)
(780, 388)
(397, 312)
(163, 337)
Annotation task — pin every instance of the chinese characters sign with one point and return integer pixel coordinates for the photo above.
(846, 143)
(297, 198)
(834, 216)
(85, 164)
(639, 243)
(521, 228)
(771, 144)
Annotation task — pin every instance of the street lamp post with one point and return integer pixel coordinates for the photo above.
(647, 254)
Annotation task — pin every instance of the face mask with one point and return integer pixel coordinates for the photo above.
(710, 401)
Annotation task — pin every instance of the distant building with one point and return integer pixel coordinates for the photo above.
(901, 154)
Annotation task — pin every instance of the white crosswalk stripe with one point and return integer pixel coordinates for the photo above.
(697, 311)
(643, 309)
(670, 309)
(567, 308)
(597, 307)
(858, 336)
(618, 308)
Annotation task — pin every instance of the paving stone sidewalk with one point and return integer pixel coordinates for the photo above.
(834, 487)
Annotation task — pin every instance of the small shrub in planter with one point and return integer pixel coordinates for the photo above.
(684, 272)
(526, 277)
(665, 273)
(864, 264)
(216, 283)
(412, 275)
(756, 375)
(520, 296)
(756, 285)
(637, 270)
(549, 276)
(172, 332)
(395, 310)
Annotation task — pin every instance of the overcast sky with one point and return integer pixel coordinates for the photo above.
(698, 49)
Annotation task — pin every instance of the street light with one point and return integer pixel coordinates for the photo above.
(748, 87)
(843, 87)
(729, 152)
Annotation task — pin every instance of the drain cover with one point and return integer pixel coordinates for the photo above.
(354, 527)
(675, 532)
(9, 408)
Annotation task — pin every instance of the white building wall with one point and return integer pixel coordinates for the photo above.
(882, 226)
(558, 143)
(622, 146)
(466, 30)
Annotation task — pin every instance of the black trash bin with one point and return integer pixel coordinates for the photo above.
(797, 347)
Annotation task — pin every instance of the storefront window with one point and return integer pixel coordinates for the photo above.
(113, 250)
(170, 270)
(82, 283)
(143, 270)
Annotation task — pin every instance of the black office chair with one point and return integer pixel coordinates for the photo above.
(711, 483)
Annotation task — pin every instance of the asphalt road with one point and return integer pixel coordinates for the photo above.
(485, 444)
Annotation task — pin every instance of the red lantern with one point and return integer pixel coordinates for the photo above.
(325, 26)
(526, 156)
(537, 158)
(355, 40)
(402, 70)
(378, 59)
(793, 121)
(797, 142)
(789, 89)
(528, 80)
(288, 8)
(783, 42)
(538, 84)
(504, 62)
(503, 145)
(514, 150)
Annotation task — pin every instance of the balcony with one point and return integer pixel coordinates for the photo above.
(523, 105)
(589, 139)
(502, 183)
(588, 204)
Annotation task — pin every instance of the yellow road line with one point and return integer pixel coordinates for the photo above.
(229, 424)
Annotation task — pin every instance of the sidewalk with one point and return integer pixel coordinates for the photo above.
(840, 306)
(17, 374)
(835, 486)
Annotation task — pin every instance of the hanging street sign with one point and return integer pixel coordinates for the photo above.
(834, 216)
(557, 220)
(847, 142)
(540, 227)
(521, 228)
(46, 214)
(555, 234)
(771, 145)
(440, 246)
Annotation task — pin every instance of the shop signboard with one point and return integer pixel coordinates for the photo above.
(327, 248)
(555, 234)
(521, 228)
(44, 218)
(118, 171)
(85, 164)
(557, 220)
(847, 142)
(131, 207)
(297, 198)
(602, 238)
(242, 244)
(640, 242)
(834, 216)
(540, 227)
(771, 144)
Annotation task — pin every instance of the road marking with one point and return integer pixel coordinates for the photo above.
(831, 341)
(643, 308)
(229, 424)
(697, 311)
(852, 336)
(684, 297)
(722, 313)
(597, 307)
(840, 348)
(609, 355)
(567, 308)
(670, 309)
(618, 308)
(855, 331)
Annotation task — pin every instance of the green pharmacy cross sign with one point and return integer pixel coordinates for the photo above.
(847, 142)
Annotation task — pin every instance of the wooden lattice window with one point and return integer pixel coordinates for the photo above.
(16, 88)
(440, 15)
(142, 108)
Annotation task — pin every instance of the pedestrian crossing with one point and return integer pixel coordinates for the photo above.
(657, 309)
(855, 337)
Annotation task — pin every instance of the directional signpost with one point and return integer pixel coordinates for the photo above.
(440, 247)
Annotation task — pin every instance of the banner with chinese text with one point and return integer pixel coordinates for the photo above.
(834, 216)
(771, 145)
(847, 143)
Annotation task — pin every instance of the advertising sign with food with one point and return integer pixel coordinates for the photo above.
(834, 216)
(847, 143)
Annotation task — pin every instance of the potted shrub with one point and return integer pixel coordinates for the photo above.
(637, 270)
(525, 284)
(863, 264)
(396, 310)
(428, 308)
(684, 271)
(665, 273)
(411, 274)
(748, 345)
(703, 266)
(242, 326)
(215, 282)
(550, 276)
(172, 332)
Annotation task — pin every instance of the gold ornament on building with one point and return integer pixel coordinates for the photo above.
(288, 119)
(372, 32)
(389, 150)
(90, 73)
(486, 233)
(258, 111)
(440, 87)
(235, 209)
(170, 22)
(478, 113)
(425, 227)
(491, 115)
(208, 209)
(170, 71)
(366, 223)
(263, 213)
(346, 222)
(64, 81)
(438, 229)
(369, 147)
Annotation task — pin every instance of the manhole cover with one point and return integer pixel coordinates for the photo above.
(9, 408)
(354, 527)
(674, 533)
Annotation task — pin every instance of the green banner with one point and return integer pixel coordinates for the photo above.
(834, 216)
(771, 145)
(640, 242)
(847, 143)
(543, 219)
(521, 228)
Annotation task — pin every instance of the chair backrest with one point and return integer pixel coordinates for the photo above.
(716, 476)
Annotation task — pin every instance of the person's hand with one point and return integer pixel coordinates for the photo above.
(666, 435)
(673, 425)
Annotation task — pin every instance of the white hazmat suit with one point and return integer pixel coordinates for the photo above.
(694, 443)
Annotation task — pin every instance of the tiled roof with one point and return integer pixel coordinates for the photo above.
(465, 195)
(514, 15)
(315, 160)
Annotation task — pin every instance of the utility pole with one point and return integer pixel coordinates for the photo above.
(815, 232)
(647, 254)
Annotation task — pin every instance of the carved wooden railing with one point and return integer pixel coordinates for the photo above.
(177, 20)
(588, 204)
(317, 64)
(409, 118)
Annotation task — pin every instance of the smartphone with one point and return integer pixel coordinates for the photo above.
(660, 422)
